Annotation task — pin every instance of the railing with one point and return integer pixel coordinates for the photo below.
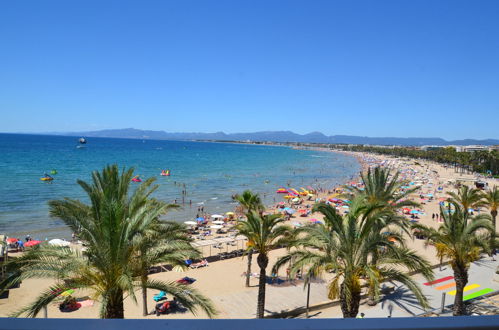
(455, 323)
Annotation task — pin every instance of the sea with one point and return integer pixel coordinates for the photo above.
(210, 174)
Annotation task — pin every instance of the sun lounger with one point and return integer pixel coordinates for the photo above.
(202, 263)
(160, 296)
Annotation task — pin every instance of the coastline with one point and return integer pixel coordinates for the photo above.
(223, 282)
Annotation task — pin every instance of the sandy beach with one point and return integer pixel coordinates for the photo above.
(223, 280)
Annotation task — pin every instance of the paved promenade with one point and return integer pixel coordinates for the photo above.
(401, 303)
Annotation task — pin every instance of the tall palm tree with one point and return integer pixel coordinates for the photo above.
(111, 227)
(344, 244)
(165, 242)
(491, 201)
(249, 202)
(264, 233)
(459, 238)
(383, 192)
(466, 198)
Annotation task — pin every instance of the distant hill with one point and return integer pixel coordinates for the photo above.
(276, 136)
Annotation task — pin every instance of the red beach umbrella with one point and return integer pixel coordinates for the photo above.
(32, 243)
(12, 240)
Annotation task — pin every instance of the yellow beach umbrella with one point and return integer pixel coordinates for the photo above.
(67, 292)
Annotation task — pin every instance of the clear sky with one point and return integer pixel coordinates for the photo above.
(371, 68)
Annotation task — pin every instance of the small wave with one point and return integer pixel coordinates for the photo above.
(214, 198)
(201, 203)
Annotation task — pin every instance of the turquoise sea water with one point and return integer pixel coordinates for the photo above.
(211, 172)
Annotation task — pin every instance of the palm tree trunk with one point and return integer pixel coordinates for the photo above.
(461, 278)
(350, 308)
(371, 300)
(114, 307)
(248, 270)
(263, 261)
(493, 236)
(143, 280)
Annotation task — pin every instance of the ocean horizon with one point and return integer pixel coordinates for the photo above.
(211, 172)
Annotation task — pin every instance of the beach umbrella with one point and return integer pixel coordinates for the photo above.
(216, 226)
(229, 213)
(199, 219)
(414, 212)
(12, 240)
(429, 195)
(32, 243)
(281, 203)
(296, 199)
(345, 206)
(67, 293)
(190, 223)
(302, 211)
(59, 242)
(215, 216)
(218, 222)
(289, 210)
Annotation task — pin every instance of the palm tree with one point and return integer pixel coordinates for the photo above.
(491, 201)
(249, 202)
(112, 227)
(165, 242)
(264, 233)
(379, 189)
(466, 198)
(344, 244)
(459, 239)
(383, 192)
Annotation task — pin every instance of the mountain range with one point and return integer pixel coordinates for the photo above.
(276, 136)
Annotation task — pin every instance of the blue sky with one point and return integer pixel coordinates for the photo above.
(370, 68)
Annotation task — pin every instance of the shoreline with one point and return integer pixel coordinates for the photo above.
(64, 233)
